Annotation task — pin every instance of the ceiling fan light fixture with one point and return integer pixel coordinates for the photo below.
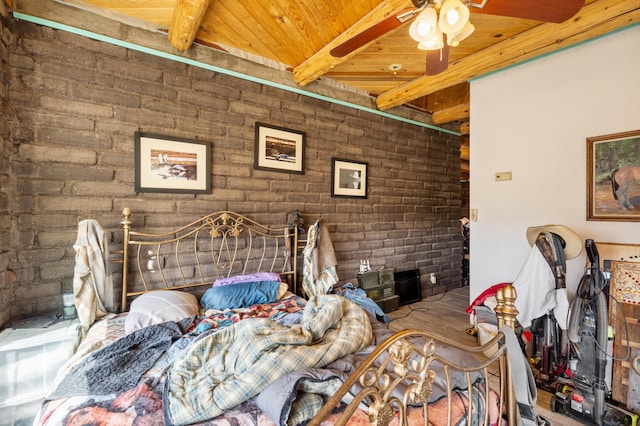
(434, 43)
(453, 16)
(425, 26)
(454, 39)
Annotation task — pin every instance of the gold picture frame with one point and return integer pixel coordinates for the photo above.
(613, 177)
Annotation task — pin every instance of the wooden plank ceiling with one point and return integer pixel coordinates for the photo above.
(299, 34)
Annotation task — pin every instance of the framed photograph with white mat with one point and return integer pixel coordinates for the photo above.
(349, 178)
(278, 149)
(171, 164)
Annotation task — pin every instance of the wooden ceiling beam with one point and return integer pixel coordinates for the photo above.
(593, 20)
(465, 168)
(449, 97)
(322, 61)
(464, 147)
(185, 22)
(455, 113)
(450, 104)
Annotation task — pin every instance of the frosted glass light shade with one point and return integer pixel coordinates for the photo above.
(453, 16)
(433, 43)
(455, 39)
(425, 26)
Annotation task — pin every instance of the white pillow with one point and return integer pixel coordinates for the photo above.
(160, 306)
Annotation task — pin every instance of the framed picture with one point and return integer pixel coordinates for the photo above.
(279, 149)
(613, 177)
(349, 178)
(170, 164)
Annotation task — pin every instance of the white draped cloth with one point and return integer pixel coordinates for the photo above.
(537, 293)
(319, 264)
(92, 280)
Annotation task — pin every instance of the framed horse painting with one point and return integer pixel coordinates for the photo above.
(613, 177)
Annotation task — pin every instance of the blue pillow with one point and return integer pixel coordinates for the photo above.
(240, 295)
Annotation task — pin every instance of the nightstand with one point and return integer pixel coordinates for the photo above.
(31, 352)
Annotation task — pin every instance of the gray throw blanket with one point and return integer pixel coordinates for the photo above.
(296, 398)
(119, 366)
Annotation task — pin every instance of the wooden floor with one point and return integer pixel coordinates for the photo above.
(445, 314)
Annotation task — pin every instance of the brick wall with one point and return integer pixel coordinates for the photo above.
(7, 250)
(78, 102)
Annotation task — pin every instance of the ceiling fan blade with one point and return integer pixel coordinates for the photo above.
(373, 32)
(437, 60)
(541, 10)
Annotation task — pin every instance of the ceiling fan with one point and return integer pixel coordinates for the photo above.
(438, 24)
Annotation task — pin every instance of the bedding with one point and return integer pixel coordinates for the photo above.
(256, 276)
(142, 402)
(119, 366)
(251, 356)
(240, 295)
(160, 306)
(292, 394)
(219, 372)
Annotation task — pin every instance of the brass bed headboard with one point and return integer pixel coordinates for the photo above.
(220, 244)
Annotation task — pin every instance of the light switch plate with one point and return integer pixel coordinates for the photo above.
(503, 176)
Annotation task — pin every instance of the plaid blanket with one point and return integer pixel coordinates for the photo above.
(235, 364)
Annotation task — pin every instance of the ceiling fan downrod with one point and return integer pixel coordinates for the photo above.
(480, 5)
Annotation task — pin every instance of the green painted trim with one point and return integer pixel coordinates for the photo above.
(544, 55)
(188, 61)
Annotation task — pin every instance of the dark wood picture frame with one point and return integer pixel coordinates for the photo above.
(171, 164)
(613, 177)
(349, 178)
(279, 149)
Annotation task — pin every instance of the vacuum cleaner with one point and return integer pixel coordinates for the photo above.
(587, 358)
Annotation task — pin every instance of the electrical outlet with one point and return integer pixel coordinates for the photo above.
(433, 278)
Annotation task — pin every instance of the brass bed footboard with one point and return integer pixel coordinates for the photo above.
(398, 374)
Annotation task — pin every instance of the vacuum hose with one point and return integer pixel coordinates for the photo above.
(576, 310)
(600, 388)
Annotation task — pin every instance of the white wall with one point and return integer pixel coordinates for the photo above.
(533, 120)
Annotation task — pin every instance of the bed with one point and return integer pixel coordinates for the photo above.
(213, 331)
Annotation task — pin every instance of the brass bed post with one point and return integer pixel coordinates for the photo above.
(290, 266)
(294, 268)
(506, 313)
(126, 223)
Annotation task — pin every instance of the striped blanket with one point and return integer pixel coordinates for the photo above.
(235, 364)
